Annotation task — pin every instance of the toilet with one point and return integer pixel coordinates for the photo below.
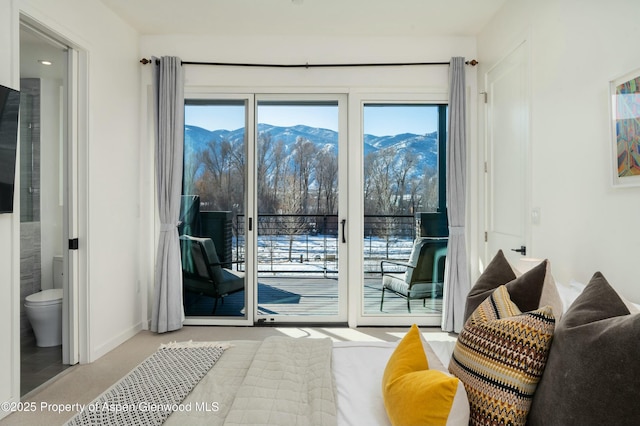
(44, 310)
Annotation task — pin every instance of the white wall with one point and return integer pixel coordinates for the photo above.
(109, 178)
(577, 47)
(310, 49)
(9, 233)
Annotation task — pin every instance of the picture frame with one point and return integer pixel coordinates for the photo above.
(624, 94)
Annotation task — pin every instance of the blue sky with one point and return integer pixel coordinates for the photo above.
(378, 120)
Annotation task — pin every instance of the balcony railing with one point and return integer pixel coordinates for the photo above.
(308, 244)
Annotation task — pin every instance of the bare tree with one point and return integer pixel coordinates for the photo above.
(404, 167)
(303, 158)
(326, 174)
(292, 220)
(191, 166)
(264, 168)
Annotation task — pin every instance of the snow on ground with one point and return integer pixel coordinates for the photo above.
(317, 254)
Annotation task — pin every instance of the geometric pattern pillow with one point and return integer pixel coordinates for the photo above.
(500, 356)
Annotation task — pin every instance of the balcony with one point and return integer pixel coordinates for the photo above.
(298, 264)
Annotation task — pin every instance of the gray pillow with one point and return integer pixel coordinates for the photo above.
(592, 373)
(525, 290)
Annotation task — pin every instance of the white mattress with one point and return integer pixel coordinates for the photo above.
(358, 369)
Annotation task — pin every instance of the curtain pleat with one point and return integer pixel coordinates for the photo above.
(168, 88)
(456, 275)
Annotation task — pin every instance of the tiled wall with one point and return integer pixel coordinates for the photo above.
(30, 149)
(30, 274)
(30, 230)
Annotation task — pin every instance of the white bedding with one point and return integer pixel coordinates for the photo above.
(358, 369)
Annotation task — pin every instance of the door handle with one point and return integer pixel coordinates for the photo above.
(522, 250)
(343, 222)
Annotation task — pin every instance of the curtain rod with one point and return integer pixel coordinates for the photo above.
(473, 62)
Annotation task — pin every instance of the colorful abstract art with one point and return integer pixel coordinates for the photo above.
(627, 127)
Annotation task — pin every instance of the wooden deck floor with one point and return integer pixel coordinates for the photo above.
(299, 295)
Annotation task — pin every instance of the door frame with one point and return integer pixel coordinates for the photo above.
(344, 238)
(75, 346)
(251, 99)
(351, 207)
(357, 101)
(250, 240)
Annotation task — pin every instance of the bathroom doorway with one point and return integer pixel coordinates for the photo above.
(44, 211)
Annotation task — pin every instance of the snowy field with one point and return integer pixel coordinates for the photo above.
(317, 254)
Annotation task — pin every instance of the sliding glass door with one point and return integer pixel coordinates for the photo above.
(300, 220)
(404, 217)
(213, 211)
(265, 232)
(262, 230)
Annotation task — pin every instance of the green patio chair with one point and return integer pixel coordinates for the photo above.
(421, 277)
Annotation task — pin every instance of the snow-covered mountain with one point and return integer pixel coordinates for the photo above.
(423, 147)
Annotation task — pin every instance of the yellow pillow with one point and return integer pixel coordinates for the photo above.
(413, 394)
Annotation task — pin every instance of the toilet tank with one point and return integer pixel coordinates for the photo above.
(57, 272)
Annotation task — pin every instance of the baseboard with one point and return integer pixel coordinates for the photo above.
(115, 342)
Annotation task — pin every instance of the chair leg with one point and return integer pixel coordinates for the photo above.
(215, 306)
(382, 300)
(409, 304)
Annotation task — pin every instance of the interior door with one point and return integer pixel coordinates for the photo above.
(70, 194)
(507, 156)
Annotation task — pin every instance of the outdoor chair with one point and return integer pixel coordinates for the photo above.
(203, 273)
(421, 277)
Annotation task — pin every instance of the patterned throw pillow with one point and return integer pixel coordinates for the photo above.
(500, 356)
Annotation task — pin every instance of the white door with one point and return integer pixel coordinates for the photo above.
(71, 206)
(507, 156)
(264, 181)
(301, 215)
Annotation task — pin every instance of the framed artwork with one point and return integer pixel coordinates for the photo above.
(625, 129)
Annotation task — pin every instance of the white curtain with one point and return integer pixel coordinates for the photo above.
(456, 274)
(168, 89)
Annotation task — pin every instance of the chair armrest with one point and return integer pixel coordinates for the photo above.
(233, 262)
(395, 262)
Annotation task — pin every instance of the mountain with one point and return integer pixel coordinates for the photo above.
(424, 147)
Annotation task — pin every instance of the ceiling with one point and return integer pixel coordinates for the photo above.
(307, 17)
(34, 48)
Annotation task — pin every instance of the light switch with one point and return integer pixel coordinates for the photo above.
(535, 215)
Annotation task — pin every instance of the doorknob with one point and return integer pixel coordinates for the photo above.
(522, 250)
(343, 222)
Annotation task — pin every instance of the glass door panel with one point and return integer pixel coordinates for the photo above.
(213, 210)
(404, 202)
(299, 227)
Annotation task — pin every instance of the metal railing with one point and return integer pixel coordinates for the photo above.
(308, 244)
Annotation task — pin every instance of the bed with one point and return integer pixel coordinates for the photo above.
(278, 381)
(503, 364)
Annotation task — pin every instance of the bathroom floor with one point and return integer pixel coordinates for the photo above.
(39, 365)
